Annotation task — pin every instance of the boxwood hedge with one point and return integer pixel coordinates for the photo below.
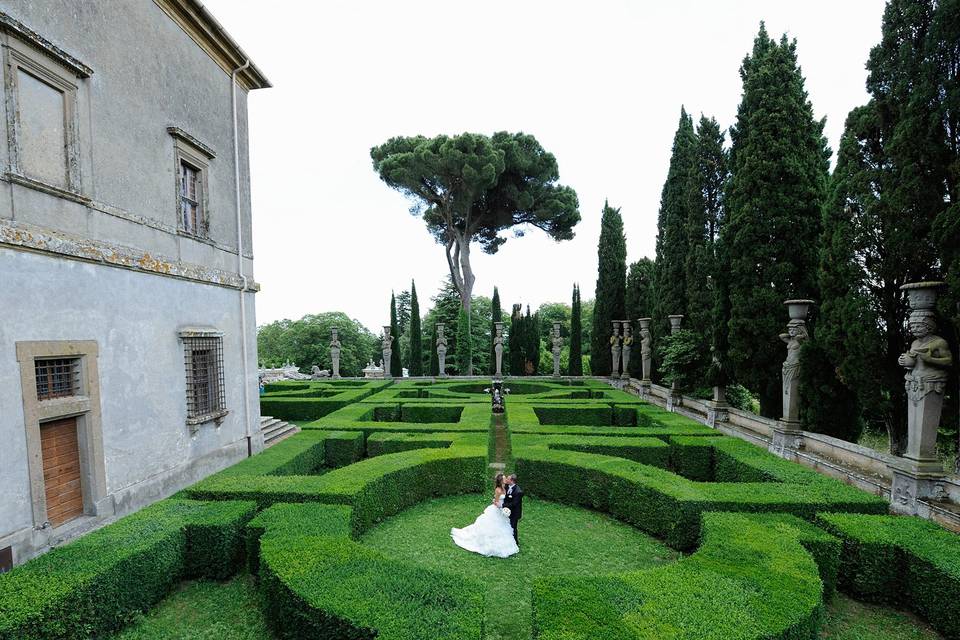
(903, 561)
(97, 583)
(295, 519)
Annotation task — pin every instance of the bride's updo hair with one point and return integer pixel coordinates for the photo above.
(498, 481)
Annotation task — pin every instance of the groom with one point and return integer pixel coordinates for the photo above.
(514, 502)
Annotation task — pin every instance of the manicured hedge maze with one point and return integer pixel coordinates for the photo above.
(769, 541)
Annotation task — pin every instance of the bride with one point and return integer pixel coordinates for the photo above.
(491, 533)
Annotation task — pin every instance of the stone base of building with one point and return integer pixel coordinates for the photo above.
(786, 439)
(913, 481)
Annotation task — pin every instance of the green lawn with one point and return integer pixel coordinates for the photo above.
(848, 619)
(204, 610)
(554, 540)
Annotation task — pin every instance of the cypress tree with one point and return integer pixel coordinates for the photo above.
(611, 288)
(532, 346)
(416, 339)
(496, 315)
(704, 220)
(434, 358)
(396, 368)
(464, 344)
(515, 340)
(575, 367)
(779, 163)
(639, 303)
(678, 204)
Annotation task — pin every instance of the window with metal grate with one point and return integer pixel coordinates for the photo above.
(57, 377)
(204, 367)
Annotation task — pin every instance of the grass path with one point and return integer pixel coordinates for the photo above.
(554, 540)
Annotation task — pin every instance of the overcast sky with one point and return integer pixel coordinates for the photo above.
(600, 84)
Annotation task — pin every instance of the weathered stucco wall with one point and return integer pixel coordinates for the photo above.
(134, 318)
(147, 75)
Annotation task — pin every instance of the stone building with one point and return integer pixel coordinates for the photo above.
(127, 327)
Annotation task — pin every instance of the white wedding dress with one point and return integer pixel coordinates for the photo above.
(489, 535)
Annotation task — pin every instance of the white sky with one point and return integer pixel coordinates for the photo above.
(600, 84)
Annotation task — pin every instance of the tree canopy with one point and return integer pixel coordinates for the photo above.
(306, 342)
(472, 187)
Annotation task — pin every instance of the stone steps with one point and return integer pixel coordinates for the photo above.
(274, 430)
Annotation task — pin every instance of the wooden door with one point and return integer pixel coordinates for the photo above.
(61, 470)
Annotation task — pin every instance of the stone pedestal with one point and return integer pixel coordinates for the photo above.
(674, 399)
(787, 439)
(914, 481)
(717, 408)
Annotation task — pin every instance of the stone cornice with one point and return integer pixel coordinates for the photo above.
(31, 37)
(30, 238)
(210, 36)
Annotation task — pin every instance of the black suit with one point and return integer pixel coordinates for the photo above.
(514, 501)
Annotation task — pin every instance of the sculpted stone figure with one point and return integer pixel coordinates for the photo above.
(498, 348)
(441, 350)
(927, 361)
(335, 351)
(627, 342)
(794, 338)
(557, 346)
(615, 350)
(646, 348)
(387, 351)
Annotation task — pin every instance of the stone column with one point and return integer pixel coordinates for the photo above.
(918, 474)
(787, 436)
(615, 350)
(441, 351)
(387, 347)
(557, 346)
(334, 353)
(627, 342)
(717, 408)
(674, 399)
(498, 348)
(646, 355)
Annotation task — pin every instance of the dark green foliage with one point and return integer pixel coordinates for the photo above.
(416, 337)
(532, 349)
(306, 342)
(329, 587)
(96, 584)
(464, 345)
(679, 202)
(778, 165)
(902, 561)
(682, 358)
(524, 342)
(611, 288)
(283, 520)
(430, 413)
(446, 309)
(395, 365)
(496, 315)
(639, 302)
(472, 187)
(826, 404)
(587, 414)
(575, 367)
(434, 358)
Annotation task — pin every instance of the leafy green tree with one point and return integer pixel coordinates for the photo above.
(446, 309)
(682, 359)
(416, 339)
(306, 343)
(464, 344)
(611, 287)
(532, 350)
(403, 311)
(473, 187)
(496, 315)
(396, 367)
(550, 312)
(575, 367)
(639, 301)
(779, 163)
(679, 201)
